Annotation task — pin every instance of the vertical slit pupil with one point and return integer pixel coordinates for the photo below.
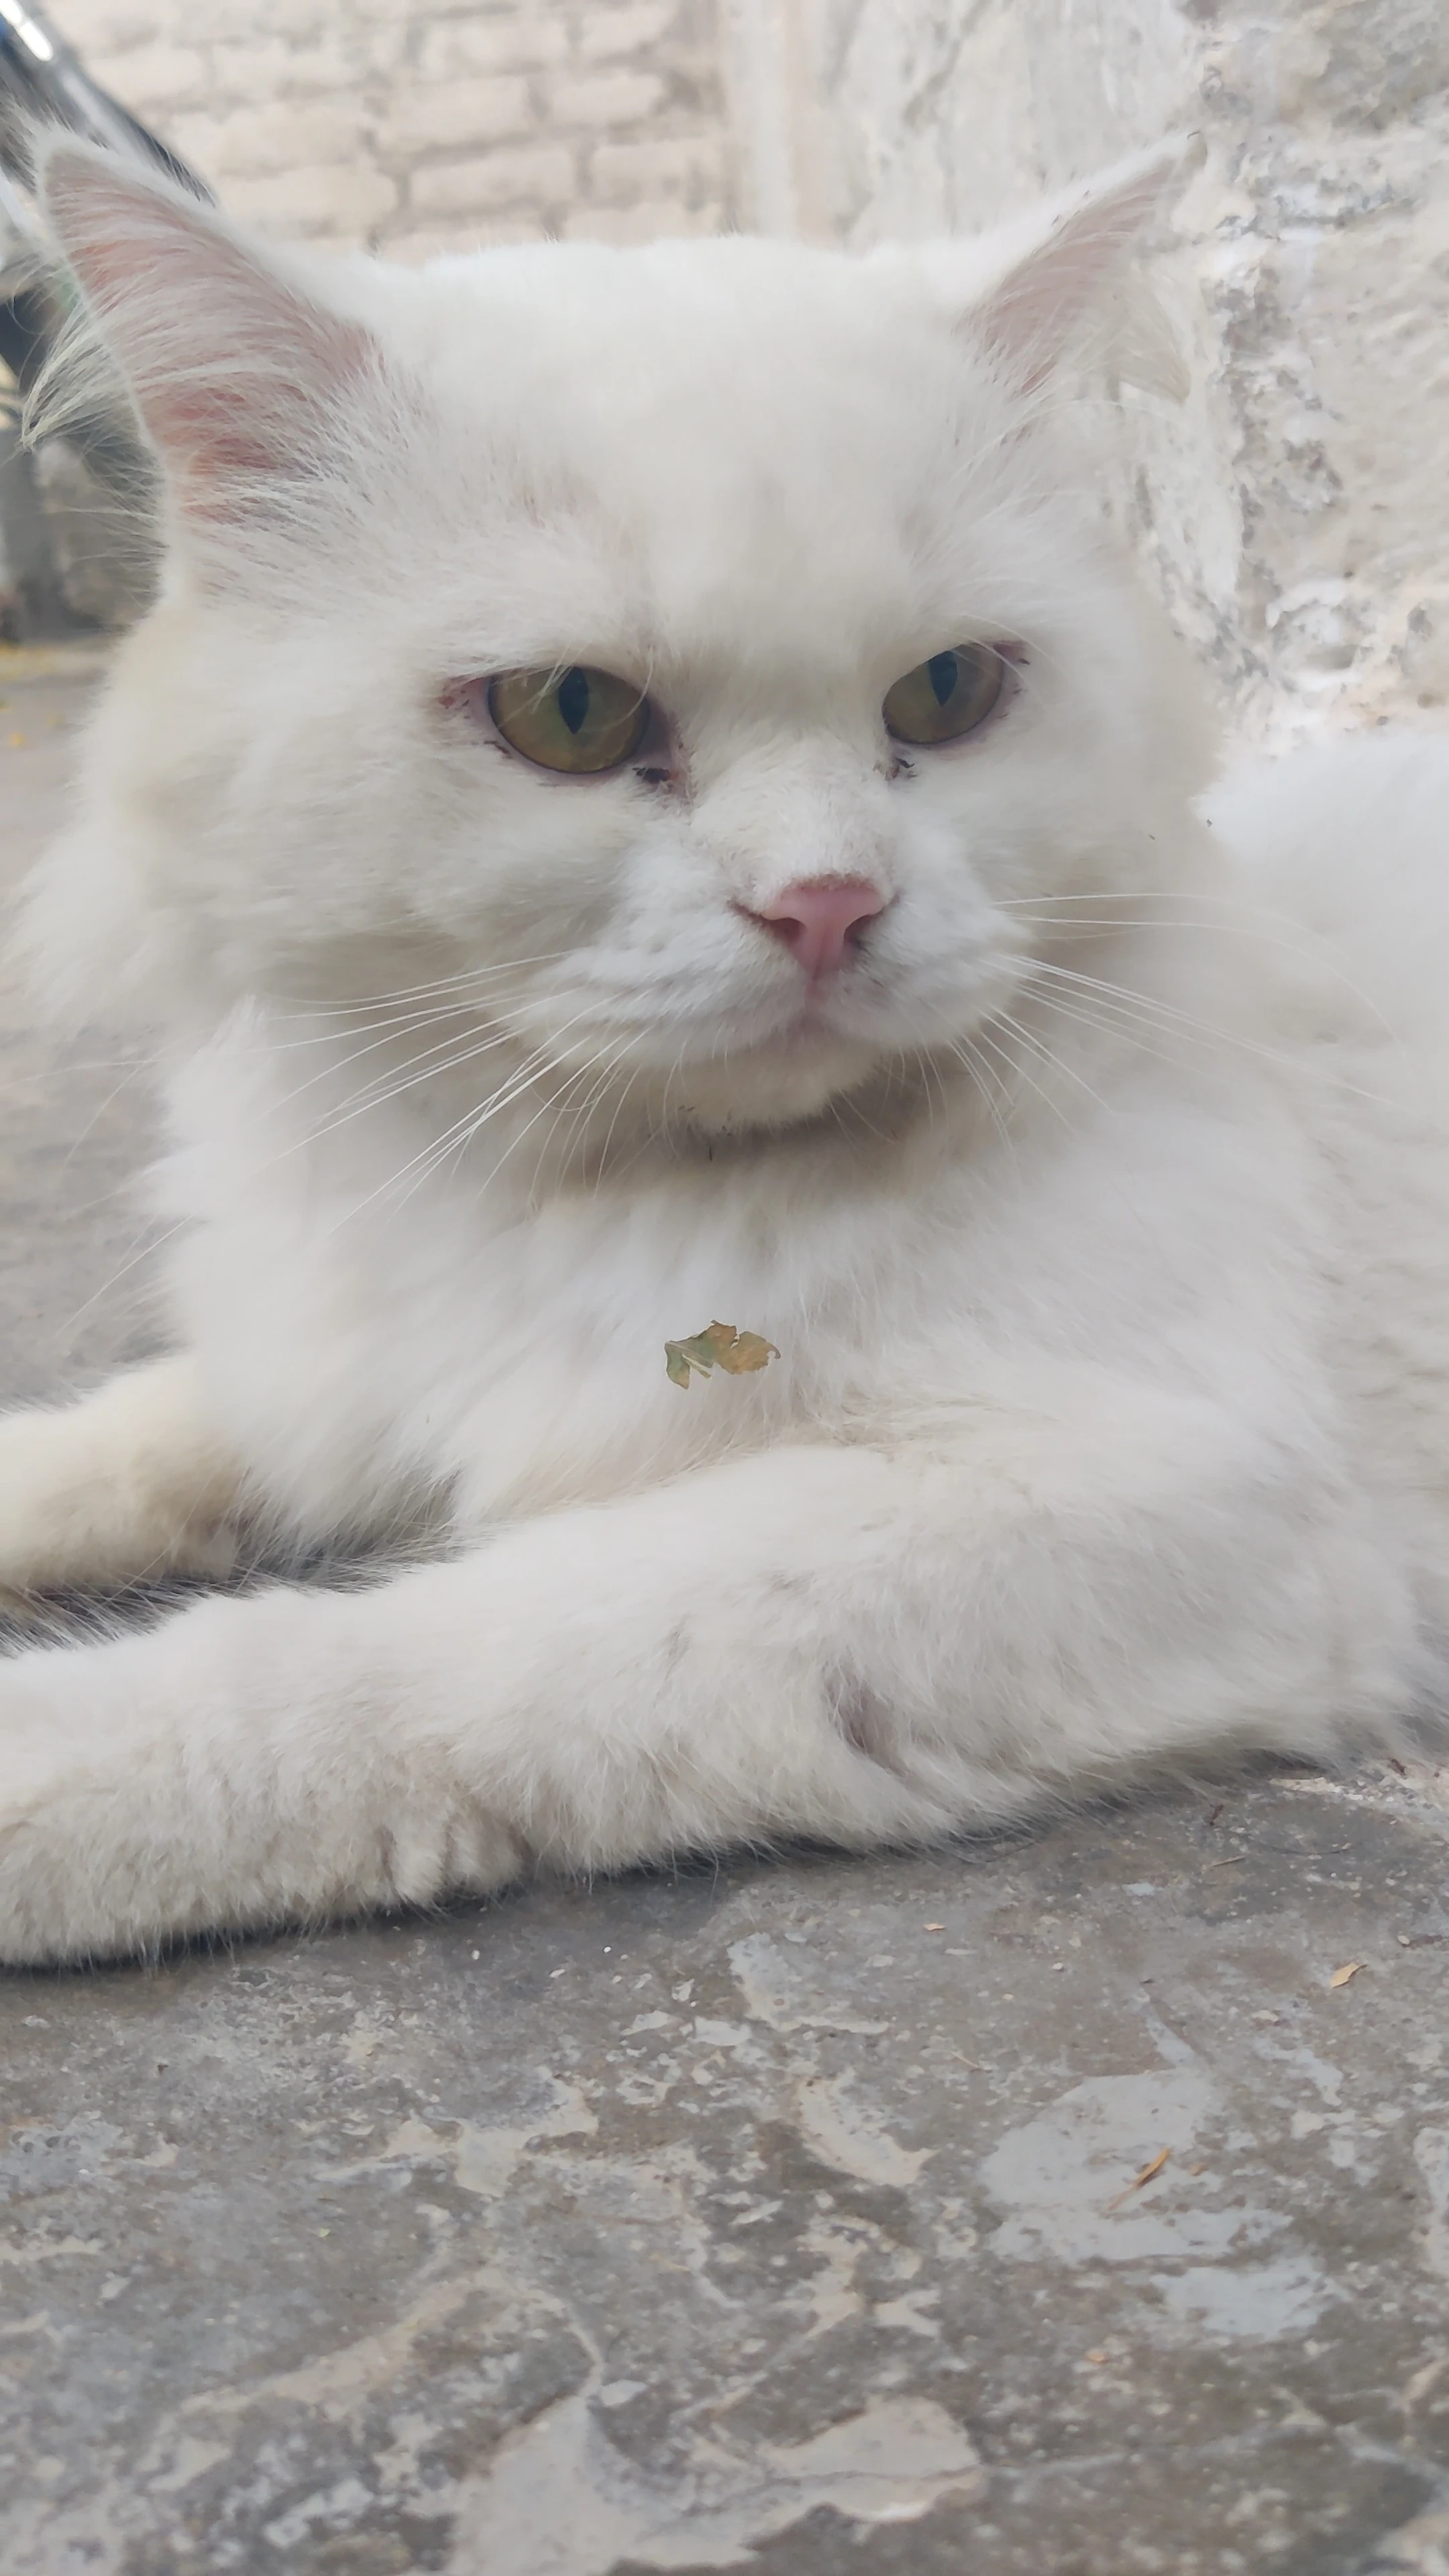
(573, 698)
(941, 672)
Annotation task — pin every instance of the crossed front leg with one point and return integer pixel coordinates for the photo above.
(126, 1486)
(854, 1644)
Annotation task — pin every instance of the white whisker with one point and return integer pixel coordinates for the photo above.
(411, 993)
(459, 1135)
(1047, 1055)
(1168, 1021)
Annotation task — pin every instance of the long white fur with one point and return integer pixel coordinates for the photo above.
(1101, 1215)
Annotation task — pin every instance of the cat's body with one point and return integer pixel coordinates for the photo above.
(1092, 1188)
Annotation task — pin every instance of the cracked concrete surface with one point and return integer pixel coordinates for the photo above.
(1040, 2205)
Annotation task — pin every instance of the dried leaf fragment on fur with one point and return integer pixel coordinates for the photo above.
(718, 1346)
(1340, 1976)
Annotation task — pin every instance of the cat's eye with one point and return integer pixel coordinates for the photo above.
(946, 697)
(577, 719)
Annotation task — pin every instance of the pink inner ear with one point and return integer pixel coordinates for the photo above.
(1051, 292)
(1031, 318)
(232, 368)
(249, 420)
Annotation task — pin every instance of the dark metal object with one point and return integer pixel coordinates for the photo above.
(44, 85)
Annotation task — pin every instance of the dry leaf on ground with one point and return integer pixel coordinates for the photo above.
(718, 1346)
(1340, 1976)
(1139, 2179)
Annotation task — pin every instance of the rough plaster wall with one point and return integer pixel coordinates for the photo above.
(419, 128)
(1298, 507)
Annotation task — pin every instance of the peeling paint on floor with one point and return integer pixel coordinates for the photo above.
(558, 2500)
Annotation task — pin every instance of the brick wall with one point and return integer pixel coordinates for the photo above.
(421, 128)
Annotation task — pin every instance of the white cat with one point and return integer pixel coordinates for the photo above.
(646, 798)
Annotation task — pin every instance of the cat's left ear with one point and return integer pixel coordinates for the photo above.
(1058, 284)
(240, 374)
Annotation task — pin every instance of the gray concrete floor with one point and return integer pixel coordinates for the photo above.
(790, 2217)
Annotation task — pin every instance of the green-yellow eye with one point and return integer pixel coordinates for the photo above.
(947, 696)
(576, 719)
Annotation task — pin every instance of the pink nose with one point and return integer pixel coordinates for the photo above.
(819, 920)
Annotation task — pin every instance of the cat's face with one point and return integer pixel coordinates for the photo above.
(693, 643)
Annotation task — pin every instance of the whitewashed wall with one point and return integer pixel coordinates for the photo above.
(1297, 510)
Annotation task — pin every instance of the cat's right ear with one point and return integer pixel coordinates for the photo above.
(239, 375)
(1059, 283)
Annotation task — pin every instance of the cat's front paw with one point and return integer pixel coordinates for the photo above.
(125, 1486)
(77, 1852)
(144, 1800)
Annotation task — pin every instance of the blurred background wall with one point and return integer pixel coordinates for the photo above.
(1295, 510)
(412, 126)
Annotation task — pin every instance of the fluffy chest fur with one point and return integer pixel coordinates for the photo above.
(372, 1322)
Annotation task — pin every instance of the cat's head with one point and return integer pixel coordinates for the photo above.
(699, 646)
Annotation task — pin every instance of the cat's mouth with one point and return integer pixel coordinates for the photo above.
(777, 1073)
(810, 1018)
(732, 1057)
(820, 1022)
(825, 1037)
